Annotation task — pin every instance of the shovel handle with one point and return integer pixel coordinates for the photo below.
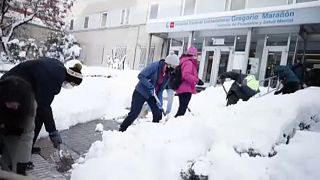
(158, 102)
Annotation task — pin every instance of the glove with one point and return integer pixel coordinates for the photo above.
(200, 82)
(152, 92)
(55, 139)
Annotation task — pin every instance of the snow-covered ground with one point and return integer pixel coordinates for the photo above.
(212, 135)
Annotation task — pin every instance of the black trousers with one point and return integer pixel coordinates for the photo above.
(184, 99)
(43, 116)
(136, 106)
(290, 87)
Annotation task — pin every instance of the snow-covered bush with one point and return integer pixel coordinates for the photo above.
(61, 46)
(58, 45)
(21, 50)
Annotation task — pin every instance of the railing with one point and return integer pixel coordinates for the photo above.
(272, 83)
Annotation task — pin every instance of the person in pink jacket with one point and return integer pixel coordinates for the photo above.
(189, 79)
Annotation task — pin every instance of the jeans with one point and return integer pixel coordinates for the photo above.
(136, 106)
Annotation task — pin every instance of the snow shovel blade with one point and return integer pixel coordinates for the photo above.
(63, 160)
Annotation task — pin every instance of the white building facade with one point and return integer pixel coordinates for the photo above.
(250, 36)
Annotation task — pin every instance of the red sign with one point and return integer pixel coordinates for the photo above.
(171, 24)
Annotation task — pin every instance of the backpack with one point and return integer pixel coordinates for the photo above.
(251, 82)
(175, 78)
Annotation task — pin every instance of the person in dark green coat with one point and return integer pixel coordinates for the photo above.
(288, 79)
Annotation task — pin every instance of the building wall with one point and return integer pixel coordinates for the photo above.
(209, 6)
(98, 42)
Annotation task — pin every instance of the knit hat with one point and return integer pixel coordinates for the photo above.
(192, 51)
(172, 59)
(73, 74)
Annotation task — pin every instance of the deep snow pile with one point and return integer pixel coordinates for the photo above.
(159, 151)
(104, 93)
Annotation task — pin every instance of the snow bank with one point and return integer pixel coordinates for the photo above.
(156, 151)
(148, 151)
(95, 98)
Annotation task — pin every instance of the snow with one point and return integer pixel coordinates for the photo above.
(99, 127)
(95, 98)
(207, 137)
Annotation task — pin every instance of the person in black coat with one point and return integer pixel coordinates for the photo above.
(17, 112)
(244, 86)
(288, 79)
(46, 77)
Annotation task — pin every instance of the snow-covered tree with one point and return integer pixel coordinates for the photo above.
(61, 46)
(14, 13)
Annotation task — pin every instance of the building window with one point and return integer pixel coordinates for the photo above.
(237, 4)
(302, 1)
(123, 13)
(143, 56)
(189, 6)
(71, 24)
(265, 3)
(86, 22)
(154, 11)
(127, 16)
(104, 18)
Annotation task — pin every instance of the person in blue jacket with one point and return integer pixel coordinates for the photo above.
(46, 77)
(288, 79)
(152, 80)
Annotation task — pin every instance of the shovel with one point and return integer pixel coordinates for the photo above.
(224, 89)
(63, 159)
(159, 103)
(166, 118)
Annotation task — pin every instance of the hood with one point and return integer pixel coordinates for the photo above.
(280, 69)
(188, 58)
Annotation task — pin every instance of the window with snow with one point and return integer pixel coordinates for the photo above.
(189, 7)
(86, 22)
(237, 4)
(154, 8)
(104, 18)
(71, 24)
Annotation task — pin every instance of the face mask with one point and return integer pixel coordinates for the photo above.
(67, 85)
(170, 69)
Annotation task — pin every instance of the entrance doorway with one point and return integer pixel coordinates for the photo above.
(216, 60)
(177, 50)
(178, 45)
(272, 57)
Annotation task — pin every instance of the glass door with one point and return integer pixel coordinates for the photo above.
(273, 60)
(208, 66)
(178, 45)
(215, 60)
(272, 57)
(224, 61)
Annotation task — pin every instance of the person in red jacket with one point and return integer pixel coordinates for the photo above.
(189, 79)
